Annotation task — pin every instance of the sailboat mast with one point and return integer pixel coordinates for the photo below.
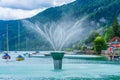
(7, 44)
(26, 43)
(18, 37)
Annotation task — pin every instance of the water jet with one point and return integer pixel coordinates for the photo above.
(58, 35)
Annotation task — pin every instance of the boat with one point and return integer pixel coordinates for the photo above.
(47, 54)
(19, 58)
(6, 56)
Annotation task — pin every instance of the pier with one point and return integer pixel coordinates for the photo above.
(114, 57)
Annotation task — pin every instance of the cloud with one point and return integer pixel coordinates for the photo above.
(24, 4)
(32, 4)
(13, 14)
(19, 9)
(61, 2)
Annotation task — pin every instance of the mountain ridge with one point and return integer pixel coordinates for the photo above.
(100, 13)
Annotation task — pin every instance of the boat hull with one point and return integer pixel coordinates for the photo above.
(19, 59)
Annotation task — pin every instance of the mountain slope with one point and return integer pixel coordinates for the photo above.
(96, 9)
(99, 12)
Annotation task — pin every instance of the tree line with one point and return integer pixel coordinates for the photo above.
(100, 42)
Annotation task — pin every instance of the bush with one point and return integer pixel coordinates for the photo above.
(99, 44)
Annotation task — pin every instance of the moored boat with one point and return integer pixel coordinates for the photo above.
(6, 56)
(19, 58)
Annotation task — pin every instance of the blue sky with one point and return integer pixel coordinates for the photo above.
(18, 9)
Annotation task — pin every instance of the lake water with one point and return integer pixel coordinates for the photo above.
(73, 68)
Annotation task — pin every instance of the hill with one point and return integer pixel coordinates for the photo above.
(100, 14)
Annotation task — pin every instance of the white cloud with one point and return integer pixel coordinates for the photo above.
(12, 14)
(18, 9)
(32, 4)
(24, 4)
(61, 2)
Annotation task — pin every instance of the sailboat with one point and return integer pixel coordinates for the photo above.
(18, 37)
(17, 46)
(19, 57)
(6, 55)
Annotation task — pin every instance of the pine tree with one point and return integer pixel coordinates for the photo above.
(109, 34)
(116, 27)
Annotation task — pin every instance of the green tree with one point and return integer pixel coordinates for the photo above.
(109, 34)
(113, 31)
(84, 47)
(77, 47)
(99, 44)
(116, 27)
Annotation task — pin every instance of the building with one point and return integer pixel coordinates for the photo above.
(114, 44)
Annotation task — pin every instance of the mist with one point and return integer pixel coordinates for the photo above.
(62, 33)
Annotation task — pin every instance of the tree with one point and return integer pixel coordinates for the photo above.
(99, 44)
(109, 34)
(84, 47)
(116, 27)
(113, 31)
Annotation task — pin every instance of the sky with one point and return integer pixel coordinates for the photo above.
(19, 9)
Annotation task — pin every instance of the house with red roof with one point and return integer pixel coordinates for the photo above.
(114, 44)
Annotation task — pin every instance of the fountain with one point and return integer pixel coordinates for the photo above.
(58, 35)
(57, 58)
(76, 67)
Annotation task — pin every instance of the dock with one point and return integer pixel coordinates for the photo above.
(114, 57)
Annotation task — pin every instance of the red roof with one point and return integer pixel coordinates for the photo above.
(115, 39)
